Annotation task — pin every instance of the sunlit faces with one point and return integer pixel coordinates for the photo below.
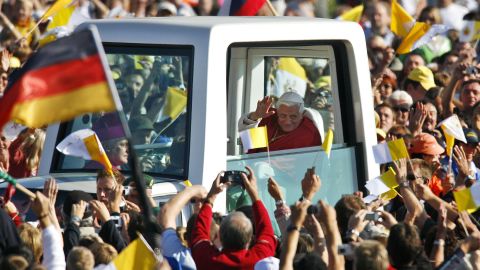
(470, 94)
(105, 187)
(431, 119)
(386, 117)
(289, 117)
(413, 61)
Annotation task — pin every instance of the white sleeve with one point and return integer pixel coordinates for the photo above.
(245, 123)
(53, 257)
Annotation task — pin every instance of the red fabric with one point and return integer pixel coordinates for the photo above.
(16, 219)
(18, 163)
(435, 184)
(207, 256)
(305, 135)
(9, 191)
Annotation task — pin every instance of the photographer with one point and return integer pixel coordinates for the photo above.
(235, 232)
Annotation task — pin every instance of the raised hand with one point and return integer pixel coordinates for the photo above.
(250, 183)
(311, 183)
(274, 189)
(263, 109)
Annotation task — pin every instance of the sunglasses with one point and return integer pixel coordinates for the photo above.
(401, 109)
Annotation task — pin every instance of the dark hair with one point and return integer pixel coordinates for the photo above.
(404, 245)
(135, 225)
(308, 261)
(190, 227)
(415, 84)
(345, 207)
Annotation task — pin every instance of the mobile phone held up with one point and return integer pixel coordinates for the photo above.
(234, 177)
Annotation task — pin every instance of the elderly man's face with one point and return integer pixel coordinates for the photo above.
(470, 95)
(289, 117)
(431, 120)
(412, 62)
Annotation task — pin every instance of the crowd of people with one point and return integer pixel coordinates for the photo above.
(420, 228)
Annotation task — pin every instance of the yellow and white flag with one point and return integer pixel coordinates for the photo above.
(137, 255)
(254, 138)
(55, 8)
(175, 102)
(390, 151)
(452, 129)
(470, 31)
(420, 34)
(468, 198)
(290, 77)
(85, 144)
(401, 21)
(352, 15)
(327, 142)
(382, 184)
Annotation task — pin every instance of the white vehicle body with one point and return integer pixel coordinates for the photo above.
(227, 78)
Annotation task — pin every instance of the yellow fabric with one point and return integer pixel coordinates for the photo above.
(258, 137)
(417, 31)
(135, 256)
(401, 21)
(96, 152)
(464, 199)
(327, 142)
(471, 31)
(353, 15)
(397, 149)
(175, 103)
(61, 18)
(187, 183)
(389, 178)
(43, 111)
(25, 29)
(55, 8)
(450, 141)
(389, 195)
(292, 66)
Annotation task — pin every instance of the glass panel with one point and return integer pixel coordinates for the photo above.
(338, 175)
(153, 85)
(310, 77)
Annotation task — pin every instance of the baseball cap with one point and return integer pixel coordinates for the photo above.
(140, 123)
(471, 135)
(149, 181)
(424, 76)
(426, 144)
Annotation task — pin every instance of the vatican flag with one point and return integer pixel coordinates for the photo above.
(470, 31)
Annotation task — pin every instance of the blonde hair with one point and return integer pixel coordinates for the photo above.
(32, 238)
(32, 147)
(103, 253)
(371, 255)
(80, 258)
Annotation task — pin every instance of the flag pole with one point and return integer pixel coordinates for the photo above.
(10, 180)
(272, 9)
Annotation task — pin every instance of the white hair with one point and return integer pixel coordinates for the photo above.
(400, 95)
(291, 99)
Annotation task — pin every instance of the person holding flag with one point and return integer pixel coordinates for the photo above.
(289, 126)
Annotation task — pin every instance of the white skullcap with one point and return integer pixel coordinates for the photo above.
(291, 99)
(269, 263)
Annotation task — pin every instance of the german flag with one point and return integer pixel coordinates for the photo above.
(63, 79)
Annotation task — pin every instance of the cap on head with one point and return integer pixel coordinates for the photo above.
(291, 99)
(424, 76)
(140, 123)
(426, 144)
(471, 135)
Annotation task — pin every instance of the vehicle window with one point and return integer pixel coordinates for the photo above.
(153, 85)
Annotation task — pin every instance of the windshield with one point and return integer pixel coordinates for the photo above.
(154, 87)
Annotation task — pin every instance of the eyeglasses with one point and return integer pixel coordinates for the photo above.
(402, 109)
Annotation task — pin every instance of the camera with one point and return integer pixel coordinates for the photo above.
(372, 216)
(313, 209)
(345, 250)
(117, 220)
(126, 190)
(471, 70)
(234, 177)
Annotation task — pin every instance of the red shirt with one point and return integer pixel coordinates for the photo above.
(207, 256)
(305, 135)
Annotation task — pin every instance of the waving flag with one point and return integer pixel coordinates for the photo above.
(254, 138)
(353, 15)
(137, 255)
(470, 31)
(468, 198)
(401, 21)
(452, 129)
(390, 151)
(56, 7)
(241, 7)
(64, 79)
(420, 34)
(85, 144)
(175, 102)
(290, 77)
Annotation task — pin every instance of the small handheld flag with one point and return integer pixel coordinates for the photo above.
(468, 198)
(420, 34)
(290, 76)
(137, 255)
(175, 102)
(254, 138)
(85, 144)
(353, 15)
(390, 151)
(401, 21)
(452, 130)
(327, 142)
